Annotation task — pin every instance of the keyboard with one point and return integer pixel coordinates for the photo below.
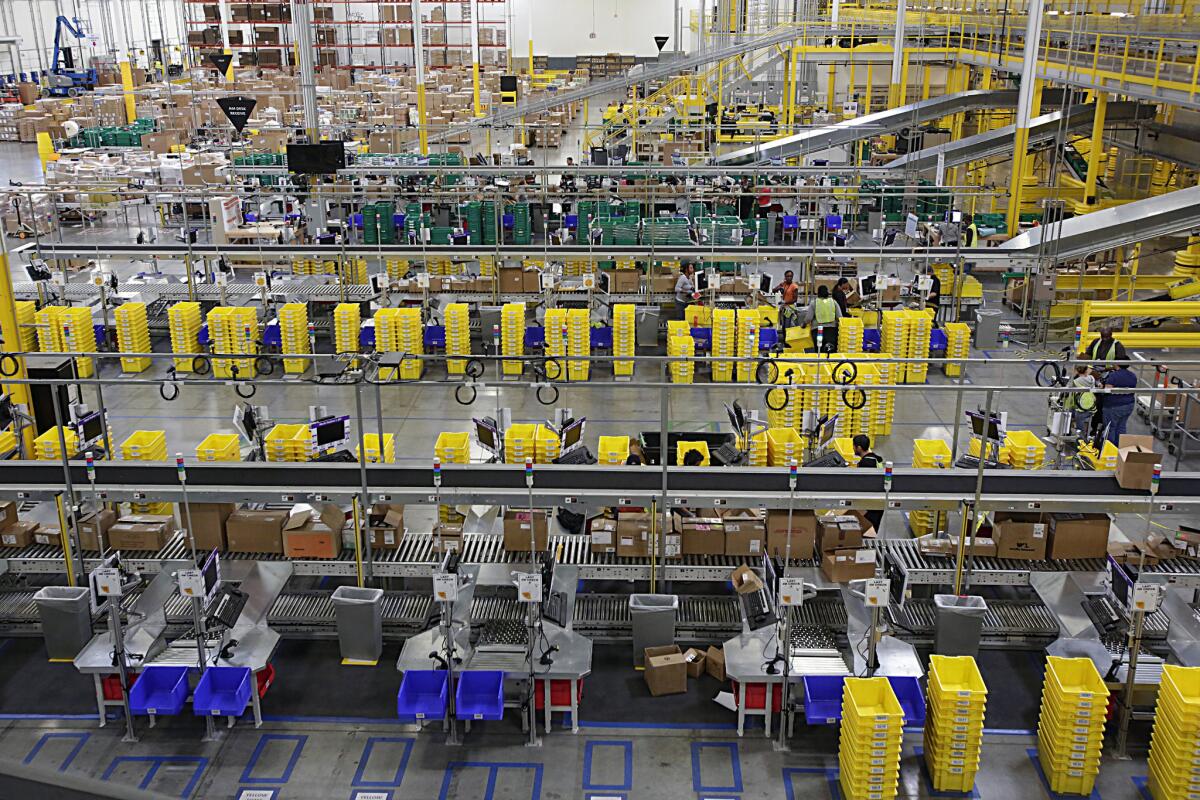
(579, 455)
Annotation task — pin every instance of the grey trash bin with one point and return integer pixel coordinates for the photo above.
(66, 619)
(987, 328)
(959, 624)
(647, 327)
(653, 620)
(359, 614)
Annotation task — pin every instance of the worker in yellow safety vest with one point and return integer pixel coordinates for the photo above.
(825, 314)
(1103, 352)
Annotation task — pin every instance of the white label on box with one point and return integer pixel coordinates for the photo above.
(529, 587)
(191, 582)
(791, 591)
(864, 557)
(601, 537)
(1039, 530)
(626, 541)
(755, 546)
(445, 587)
(8, 539)
(389, 537)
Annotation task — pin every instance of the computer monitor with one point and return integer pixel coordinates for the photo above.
(91, 428)
(954, 216)
(572, 433)
(330, 431)
(764, 284)
(828, 430)
(866, 286)
(737, 418)
(245, 419)
(701, 280)
(6, 411)
(488, 435)
(988, 428)
(212, 574)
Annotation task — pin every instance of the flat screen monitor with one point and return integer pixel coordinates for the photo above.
(323, 158)
(571, 434)
(212, 574)
(91, 427)
(598, 157)
(983, 427)
(249, 421)
(508, 83)
(866, 286)
(488, 435)
(330, 431)
(701, 280)
(828, 430)
(6, 411)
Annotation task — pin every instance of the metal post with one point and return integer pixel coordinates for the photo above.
(784, 613)
(362, 472)
(475, 56)
(67, 482)
(118, 636)
(896, 90)
(1133, 645)
(962, 580)
(532, 613)
(1033, 34)
(210, 729)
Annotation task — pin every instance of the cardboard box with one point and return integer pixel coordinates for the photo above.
(1020, 536)
(700, 535)
(1077, 536)
(516, 530)
(838, 532)
(745, 580)
(626, 281)
(8, 514)
(255, 531)
(94, 527)
(208, 524)
(714, 663)
(47, 535)
(385, 526)
(803, 530)
(141, 532)
(451, 536)
(695, 662)
(19, 534)
(932, 544)
(982, 546)
(511, 280)
(1135, 461)
(666, 670)
(633, 534)
(841, 566)
(603, 532)
(314, 540)
(531, 280)
(745, 531)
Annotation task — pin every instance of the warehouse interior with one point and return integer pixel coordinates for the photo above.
(515, 399)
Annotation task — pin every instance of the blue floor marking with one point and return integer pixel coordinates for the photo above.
(1037, 765)
(919, 752)
(832, 777)
(493, 768)
(626, 746)
(1143, 789)
(155, 763)
(734, 761)
(788, 772)
(263, 741)
(37, 748)
(366, 756)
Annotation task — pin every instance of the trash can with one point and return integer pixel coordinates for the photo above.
(359, 614)
(958, 624)
(66, 619)
(987, 328)
(653, 621)
(647, 327)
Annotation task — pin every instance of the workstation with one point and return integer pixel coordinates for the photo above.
(401, 400)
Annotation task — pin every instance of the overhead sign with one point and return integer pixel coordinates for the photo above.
(221, 61)
(237, 109)
(661, 41)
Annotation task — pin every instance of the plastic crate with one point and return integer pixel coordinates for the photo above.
(613, 449)
(756, 696)
(145, 445)
(560, 693)
(682, 448)
(479, 695)
(1075, 678)
(956, 675)
(908, 693)
(823, 699)
(222, 692)
(423, 695)
(160, 690)
(871, 700)
(219, 447)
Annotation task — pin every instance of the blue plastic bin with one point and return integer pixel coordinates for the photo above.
(272, 335)
(366, 336)
(202, 337)
(222, 692)
(872, 340)
(702, 339)
(767, 338)
(480, 695)
(535, 337)
(937, 340)
(602, 338)
(435, 336)
(423, 695)
(572, 221)
(823, 699)
(908, 692)
(159, 690)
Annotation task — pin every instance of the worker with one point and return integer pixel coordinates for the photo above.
(685, 290)
(971, 234)
(1082, 405)
(1117, 407)
(868, 460)
(825, 314)
(839, 295)
(789, 292)
(1106, 349)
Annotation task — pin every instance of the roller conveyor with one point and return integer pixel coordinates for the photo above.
(916, 569)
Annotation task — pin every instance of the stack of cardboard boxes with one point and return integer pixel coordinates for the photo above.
(840, 541)
(742, 532)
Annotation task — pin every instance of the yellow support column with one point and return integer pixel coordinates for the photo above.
(926, 75)
(1094, 155)
(11, 334)
(1027, 105)
(831, 92)
(866, 109)
(127, 91)
(1187, 261)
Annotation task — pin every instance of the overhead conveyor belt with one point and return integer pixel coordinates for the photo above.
(601, 485)
(1166, 214)
(868, 125)
(1000, 141)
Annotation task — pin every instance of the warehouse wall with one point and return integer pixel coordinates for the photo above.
(562, 27)
(127, 22)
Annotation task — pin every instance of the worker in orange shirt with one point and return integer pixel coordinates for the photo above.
(789, 292)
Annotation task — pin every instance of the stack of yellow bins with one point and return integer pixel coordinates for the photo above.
(371, 440)
(25, 324)
(1071, 724)
(398, 330)
(458, 337)
(614, 450)
(784, 446)
(757, 449)
(624, 325)
(520, 443)
(681, 346)
(233, 330)
(487, 266)
(287, 442)
(49, 334)
(579, 344)
(512, 337)
(453, 447)
(46, 446)
(397, 268)
(871, 736)
(184, 319)
(1025, 450)
(747, 343)
(954, 722)
(557, 343)
(850, 335)
(219, 447)
(724, 343)
(547, 445)
(354, 270)
(929, 454)
(147, 446)
(293, 336)
(133, 336)
(1175, 740)
(347, 321)
(74, 334)
(958, 345)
